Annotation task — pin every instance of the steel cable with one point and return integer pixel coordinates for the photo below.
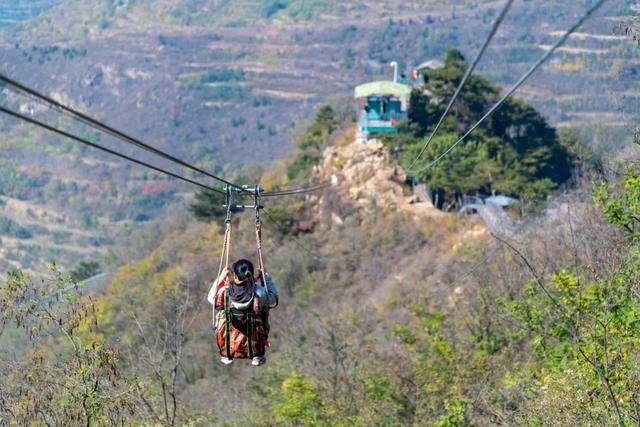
(106, 150)
(517, 85)
(96, 124)
(466, 76)
(297, 190)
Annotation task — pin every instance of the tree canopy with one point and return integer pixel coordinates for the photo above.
(515, 151)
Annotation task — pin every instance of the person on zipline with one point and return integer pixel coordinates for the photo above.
(241, 312)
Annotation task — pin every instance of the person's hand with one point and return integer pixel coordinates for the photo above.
(224, 272)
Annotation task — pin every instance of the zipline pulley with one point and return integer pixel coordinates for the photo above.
(245, 190)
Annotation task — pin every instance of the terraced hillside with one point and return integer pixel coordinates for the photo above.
(225, 83)
(232, 74)
(14, 11)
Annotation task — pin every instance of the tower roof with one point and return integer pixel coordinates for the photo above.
(382, 87)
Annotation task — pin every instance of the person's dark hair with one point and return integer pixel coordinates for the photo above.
(243, 269)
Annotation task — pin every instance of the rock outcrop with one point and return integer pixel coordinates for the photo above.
(368, 175)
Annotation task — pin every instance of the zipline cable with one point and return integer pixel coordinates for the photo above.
(466, 76)
(297, 190)
(96, 124)
(114, 132)
(106, 150)
(297, 241)
(519, 83)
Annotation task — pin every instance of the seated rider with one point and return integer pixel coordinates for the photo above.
(242, 313)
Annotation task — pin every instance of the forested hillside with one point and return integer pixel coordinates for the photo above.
(393, 309)
(516, 152)
(390, 314)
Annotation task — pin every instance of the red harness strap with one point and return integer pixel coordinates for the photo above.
(259, 246)
(224, 261)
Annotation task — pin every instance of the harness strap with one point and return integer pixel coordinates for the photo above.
(226, 261)
(259, 243)
(228, 200)
(257, 206)
(227, 315)
(260, 260)
(259, 246)
(250, 331)
(226, 245)
(226, 249)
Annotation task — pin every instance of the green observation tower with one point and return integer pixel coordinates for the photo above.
(382, 105)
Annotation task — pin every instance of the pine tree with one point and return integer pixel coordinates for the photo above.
(207, 206)
(514, 152)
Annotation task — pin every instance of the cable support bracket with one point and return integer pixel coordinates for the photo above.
(256, 197)
(227, 204)
(256, 190)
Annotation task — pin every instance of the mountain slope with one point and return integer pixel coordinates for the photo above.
(226, 87)
(363, 264)
(398, 315)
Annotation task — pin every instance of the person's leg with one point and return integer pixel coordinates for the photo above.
(258, 360)
(261, 349)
